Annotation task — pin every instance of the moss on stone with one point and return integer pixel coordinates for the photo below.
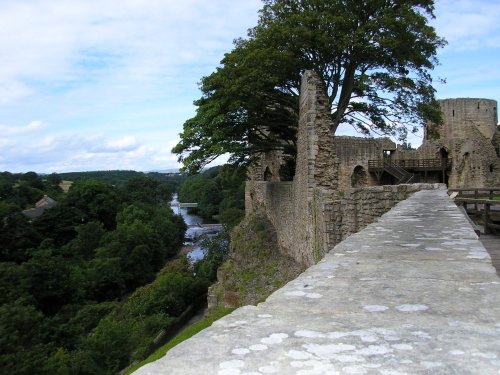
(256, 267)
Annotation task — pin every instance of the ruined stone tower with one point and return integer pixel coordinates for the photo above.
(470, 139)
(464, 117)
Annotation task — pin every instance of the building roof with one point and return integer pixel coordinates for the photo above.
(43, 204)
(46, 202)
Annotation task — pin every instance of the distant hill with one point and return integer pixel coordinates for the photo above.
(113, 177)
(120, 177)
(171, 170)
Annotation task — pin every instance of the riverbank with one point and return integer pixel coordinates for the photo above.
(195, 325)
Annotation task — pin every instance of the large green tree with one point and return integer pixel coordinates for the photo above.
(374, 57)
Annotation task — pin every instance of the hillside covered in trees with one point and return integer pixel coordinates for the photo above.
(86, 287)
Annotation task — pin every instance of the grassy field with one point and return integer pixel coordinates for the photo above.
(495, 197)
(65, 185)
(188, 332)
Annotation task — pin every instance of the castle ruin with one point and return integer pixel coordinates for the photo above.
(341, 184)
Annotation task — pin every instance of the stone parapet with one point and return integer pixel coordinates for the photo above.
(329, 219)
(413, 293)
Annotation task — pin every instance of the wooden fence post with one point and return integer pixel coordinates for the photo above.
(487, 229)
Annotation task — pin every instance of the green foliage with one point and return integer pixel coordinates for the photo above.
(119, 178)
(216, 252)
(52, 186)
(17, 236)
(216, 190)
(25, 189)
(116, 177)
(255, 267)
(65, 277)
(32, 179)
(170, 293)
(14, 283)
(87, 240)
(373, 57)
(49, 278)
(128, 331)
(231, 217)
(22, 339)
(187, 333)
(59, 223)
(54, 179)
(148, 191)
(95, 200)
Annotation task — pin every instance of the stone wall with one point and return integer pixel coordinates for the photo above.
(353, 154)
(266, 166)
(278, 201)
(316, 172)
(475, 161)
(362, 206)
(293, 207)
(464, 114)
(333, 194)
(331, 220)
(382, 302)
(469, 136)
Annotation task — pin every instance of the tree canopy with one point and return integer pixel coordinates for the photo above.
(219, 192)
(374, 57)
(92, 284)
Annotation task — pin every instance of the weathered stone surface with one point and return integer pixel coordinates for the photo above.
(254, 269)
(413, 293)
(319, 208)
(333, 194)
(307, 232)
(470, 138)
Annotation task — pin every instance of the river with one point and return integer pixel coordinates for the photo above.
(194, 231)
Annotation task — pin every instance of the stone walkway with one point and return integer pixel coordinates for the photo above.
(414, 293)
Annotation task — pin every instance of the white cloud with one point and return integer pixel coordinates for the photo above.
(27, 129)
(114, 81)
(106, 76)
(11, 90)
(75, 153)
(468, 24)
(126, 143)
(137, 42)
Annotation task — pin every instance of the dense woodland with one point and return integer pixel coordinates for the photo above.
(86, 287)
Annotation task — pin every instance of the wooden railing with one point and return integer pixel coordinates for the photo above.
(411, 163)
(473, 196)
(476, 193)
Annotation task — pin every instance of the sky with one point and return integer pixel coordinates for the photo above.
(101, 85)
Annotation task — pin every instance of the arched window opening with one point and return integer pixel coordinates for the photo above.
(443, 152)
(268, 176)
(359, 177)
